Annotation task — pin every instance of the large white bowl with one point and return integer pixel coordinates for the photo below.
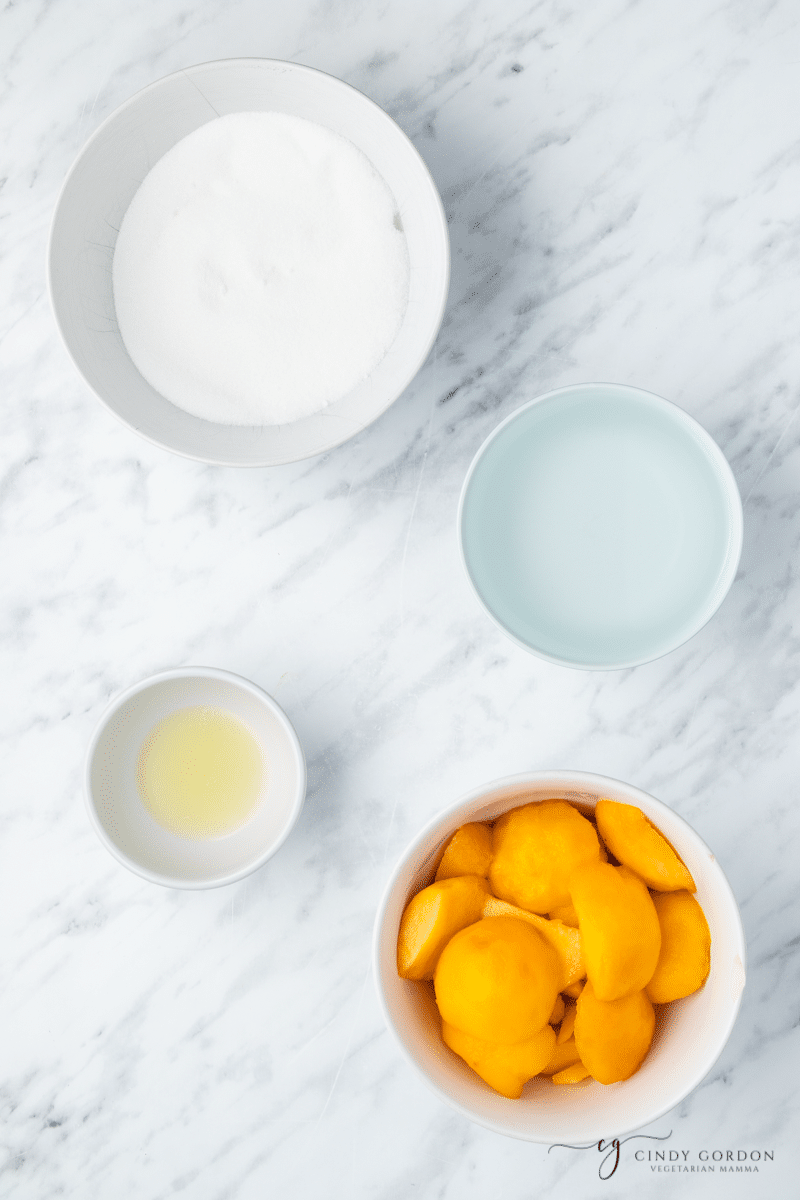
(101, 185)
(121, 820)
(690, 1033)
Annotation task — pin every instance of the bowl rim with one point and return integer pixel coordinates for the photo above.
(730, 488)
(414, 367)
(193, 673)
(583, 780)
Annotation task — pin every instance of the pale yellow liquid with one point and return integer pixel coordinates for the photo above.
(200, 772)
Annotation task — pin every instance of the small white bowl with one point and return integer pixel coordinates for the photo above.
(121, 820)
(101, 185)
(690, 1033)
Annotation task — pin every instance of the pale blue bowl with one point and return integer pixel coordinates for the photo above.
(600, 526)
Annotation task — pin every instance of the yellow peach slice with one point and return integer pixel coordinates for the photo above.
(565, 940)
(613, 1036)
(469, 852)
(619, 928)
(574, 1074)
(565, 913)
(574, 989)
(564, 1055)
(635, 842)
(505, 1068)
(568, 1024)
(536, 849)
(430, 920)
(685, 958)
(497, 980)
(557, 1015)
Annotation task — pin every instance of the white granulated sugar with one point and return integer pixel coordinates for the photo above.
(260, 272)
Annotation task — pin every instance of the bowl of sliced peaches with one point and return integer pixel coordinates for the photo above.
(560, 957)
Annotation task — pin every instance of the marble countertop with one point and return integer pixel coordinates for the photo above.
(622, 182)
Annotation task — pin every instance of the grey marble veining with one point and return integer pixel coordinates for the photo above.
(622, 183)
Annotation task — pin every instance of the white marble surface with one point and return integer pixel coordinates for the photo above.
(623, 187)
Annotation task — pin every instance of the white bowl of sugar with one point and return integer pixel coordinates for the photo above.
(248, 262)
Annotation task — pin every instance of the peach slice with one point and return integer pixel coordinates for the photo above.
(497, 980)
(536, 849)
(613, 1036)
(469, 852)
(432, 917)
(636, 843)
(574, 1074)
(567, 1024)
(505, 1068)
(565, 940)
(564, 1055)
(557, 1015)
(565, 913)
(685, 958)
(619, 928)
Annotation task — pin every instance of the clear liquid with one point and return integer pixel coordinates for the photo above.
(200, 772)
(596, 528)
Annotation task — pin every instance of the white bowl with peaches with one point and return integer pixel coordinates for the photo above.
(560, 957)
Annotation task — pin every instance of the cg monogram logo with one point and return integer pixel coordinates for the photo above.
(610, 1148)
